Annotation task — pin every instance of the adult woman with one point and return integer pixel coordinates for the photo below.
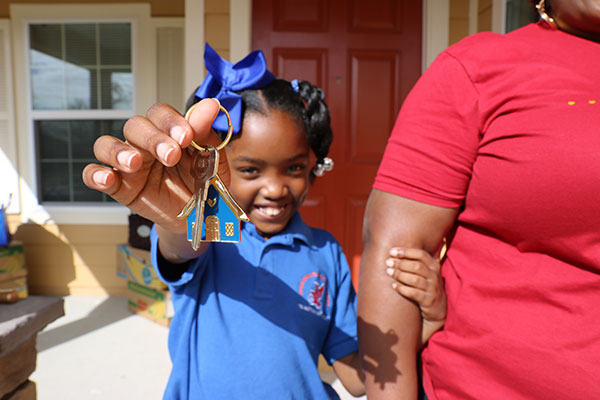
(498, 148)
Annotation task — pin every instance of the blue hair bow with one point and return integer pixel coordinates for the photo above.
(224, 79)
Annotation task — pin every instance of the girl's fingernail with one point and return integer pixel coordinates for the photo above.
(100, 177)
(177, 133)
(396, 252)
(163, 150)
(389, 271)
(394, 285)
(124, 158)
(389, 262)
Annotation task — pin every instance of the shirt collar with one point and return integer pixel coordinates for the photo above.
(295, 229)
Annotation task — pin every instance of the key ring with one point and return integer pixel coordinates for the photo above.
(229, 128)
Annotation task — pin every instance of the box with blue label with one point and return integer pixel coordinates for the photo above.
(135, 265)
(153, 304)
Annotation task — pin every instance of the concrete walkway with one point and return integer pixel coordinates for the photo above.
(99, 350)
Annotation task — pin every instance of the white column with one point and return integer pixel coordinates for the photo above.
(193, 38)
(499, 16)
(473, 16)
(436, 24)
(240, 29)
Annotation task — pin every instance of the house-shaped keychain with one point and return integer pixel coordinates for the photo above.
(222, 215)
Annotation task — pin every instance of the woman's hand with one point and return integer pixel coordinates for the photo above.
(417, 277)
(150, 172)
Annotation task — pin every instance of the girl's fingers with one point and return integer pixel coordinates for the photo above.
(201, 119)
(411, 253)
(152, 142)
(413, 267)
(418, 255)
(412, 280)
(168, 120)
(409, 292)
(110, 150)
(100, 178)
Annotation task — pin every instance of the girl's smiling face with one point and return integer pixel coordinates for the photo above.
(269, 164)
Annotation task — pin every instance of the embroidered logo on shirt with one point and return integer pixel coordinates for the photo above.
(316, 293)
(313, 288)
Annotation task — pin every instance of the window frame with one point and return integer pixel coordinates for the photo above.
(66, 114)
(144, 93)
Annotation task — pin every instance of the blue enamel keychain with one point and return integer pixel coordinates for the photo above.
(212, 213)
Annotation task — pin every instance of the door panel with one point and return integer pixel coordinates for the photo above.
(366, 56)
(308, 63)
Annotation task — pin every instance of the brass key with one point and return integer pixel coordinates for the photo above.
(220, 221)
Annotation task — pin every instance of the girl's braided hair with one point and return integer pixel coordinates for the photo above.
(307, 106)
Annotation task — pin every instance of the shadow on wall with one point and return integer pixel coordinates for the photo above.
(72, 259)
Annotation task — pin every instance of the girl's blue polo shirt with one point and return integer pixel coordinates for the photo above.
(251, 318)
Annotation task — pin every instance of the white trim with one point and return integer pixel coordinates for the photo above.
(143, 68)
(473, 16)
(240, 29)
(8, 154)
(81, 214)
(436, 24)
(499, 16)
(81, 114)
(194, 44)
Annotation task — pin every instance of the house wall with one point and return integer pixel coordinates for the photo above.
(459, 20)
(81, 259)
(160, 8)
(216, 29)
(484, 15)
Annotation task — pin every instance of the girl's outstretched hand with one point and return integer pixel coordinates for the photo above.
(417, 277)
(150, 172)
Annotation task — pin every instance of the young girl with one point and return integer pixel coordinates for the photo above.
(251, 318)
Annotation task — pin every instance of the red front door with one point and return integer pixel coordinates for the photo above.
(366, 56)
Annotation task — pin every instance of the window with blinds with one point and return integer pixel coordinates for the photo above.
(82, 87)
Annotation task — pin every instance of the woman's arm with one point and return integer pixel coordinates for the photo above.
(389, 326)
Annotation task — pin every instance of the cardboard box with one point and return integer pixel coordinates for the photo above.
(135, 265)
(13, 273)
(153, 304)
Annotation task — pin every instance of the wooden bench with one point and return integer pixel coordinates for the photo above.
(20, 323)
